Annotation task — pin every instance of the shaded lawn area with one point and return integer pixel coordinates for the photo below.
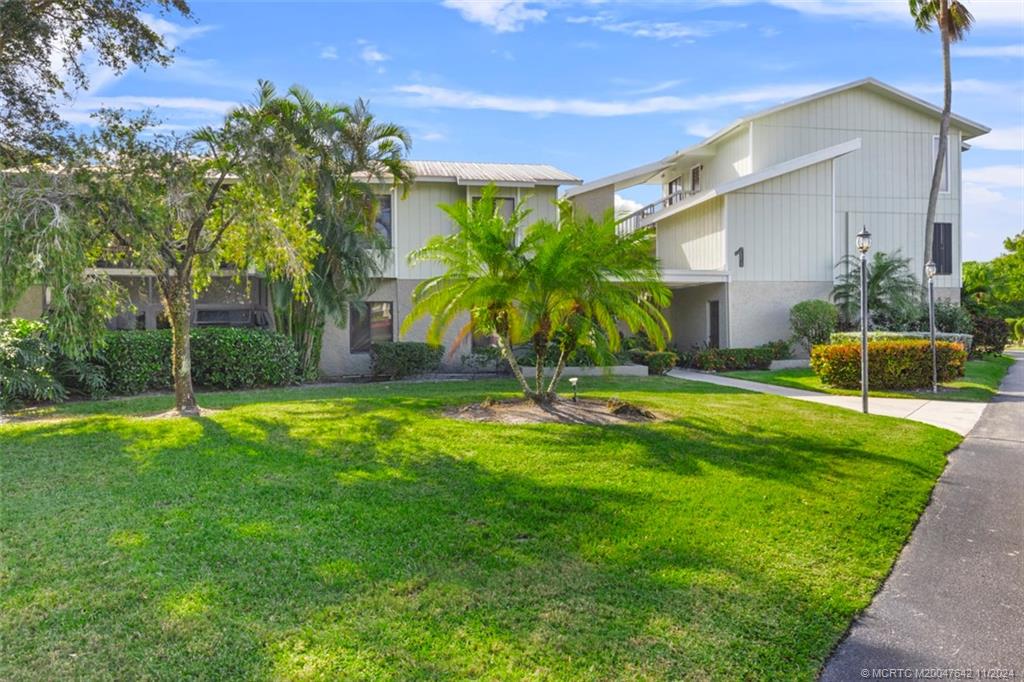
(980, 381)
(354, 532)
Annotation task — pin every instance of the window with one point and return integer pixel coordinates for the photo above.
(942, 248)
(504, 206)
(695, 174)
(369, 322)
(675, 186)
(383, 223)
(944, 182)
(714, 339)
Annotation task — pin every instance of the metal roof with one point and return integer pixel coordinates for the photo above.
(471, 173)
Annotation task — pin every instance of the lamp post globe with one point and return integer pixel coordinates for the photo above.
(864, 240)
(930, 269)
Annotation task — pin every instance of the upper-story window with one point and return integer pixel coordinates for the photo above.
(383, 223)
(944, 182)
(675, 186)
(504, 206)
(695, 178)
(942, 248)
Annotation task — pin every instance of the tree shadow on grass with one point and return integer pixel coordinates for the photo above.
(349, 539)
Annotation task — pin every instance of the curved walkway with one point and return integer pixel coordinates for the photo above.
(947, 414)
(955, 599)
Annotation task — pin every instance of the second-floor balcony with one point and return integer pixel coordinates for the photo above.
(649, 213)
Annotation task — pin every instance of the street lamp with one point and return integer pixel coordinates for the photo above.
(573, 381)
(864, 245)
(930, 270)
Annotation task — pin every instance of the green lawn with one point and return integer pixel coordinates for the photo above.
(980, 382)
(354, 532)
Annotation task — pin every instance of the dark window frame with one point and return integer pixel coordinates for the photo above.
(385, 229)
(699, 169)
(942, 248)
(353, 316)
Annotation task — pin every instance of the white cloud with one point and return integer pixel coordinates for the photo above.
(188, 112)
(371, 55)
(967, 86)
(666, 30)
(987, 13)
(431, 136)
(432, 96)
(624, 206)
(993, 177)
(501, 16)
(634, 87)
(990, 51)
(1009, 139)
(329, 52)
(701, 129)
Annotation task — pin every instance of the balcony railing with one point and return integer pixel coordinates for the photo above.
(637, 219)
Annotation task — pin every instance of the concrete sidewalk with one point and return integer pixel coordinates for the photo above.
(955, 599)
(947, 414)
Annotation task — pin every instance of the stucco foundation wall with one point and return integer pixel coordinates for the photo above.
(951, 294)
(759, 311)
(336, 360)
(688, 318)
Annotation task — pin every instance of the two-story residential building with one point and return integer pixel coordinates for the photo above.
(756, 217)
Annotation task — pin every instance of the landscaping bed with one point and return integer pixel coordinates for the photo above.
(356, 532)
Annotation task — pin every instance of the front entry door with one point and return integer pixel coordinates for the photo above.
(713, 324)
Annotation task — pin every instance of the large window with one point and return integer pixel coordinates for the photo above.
(944, 182)
(383, 223)
(369, 322)
(942, 248)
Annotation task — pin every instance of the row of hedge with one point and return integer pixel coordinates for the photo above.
(892, 364)
(965, 340)
(129, 362)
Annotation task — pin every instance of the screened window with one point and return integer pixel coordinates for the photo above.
(942, 248)
(369, 322)
(383, 223)
(944, 182)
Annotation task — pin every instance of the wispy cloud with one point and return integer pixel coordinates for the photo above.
(700, 129)
(1009, 139)
(624, 206)
(656, 30)
(1011, 51)
(999, 176)
(432, 96)
(370, 54)
(988, 13)
(967, 86)
(501, 16)
(329, 52)
(993, 206)
(633, 87)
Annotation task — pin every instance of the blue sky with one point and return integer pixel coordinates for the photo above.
(591, 87)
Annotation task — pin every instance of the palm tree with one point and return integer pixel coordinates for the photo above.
(351, 153)
(893, 291)
(571, 282)
(954, 21)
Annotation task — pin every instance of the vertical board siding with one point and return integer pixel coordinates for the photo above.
(784, 226)
(693, 239)
(884, 184)
(730, 160)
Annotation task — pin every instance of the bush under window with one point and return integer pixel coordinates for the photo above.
(397, 359)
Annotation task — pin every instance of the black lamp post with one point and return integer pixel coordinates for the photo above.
(930, 270)
(864, 245)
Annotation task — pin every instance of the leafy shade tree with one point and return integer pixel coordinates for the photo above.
(954, 21)
(351, 154)
(893, 292)
(996, 287)
(571, 283)
(183, 207)
(48, 47)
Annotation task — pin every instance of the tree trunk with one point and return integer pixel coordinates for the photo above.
(517, 372)
(940, 156)
(178, 302)
(559, 368)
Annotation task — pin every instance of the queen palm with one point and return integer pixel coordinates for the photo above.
(571, 282)
(954, 21)
(350, 152)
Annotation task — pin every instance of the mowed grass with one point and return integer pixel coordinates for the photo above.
(979, 384)
(354, 532)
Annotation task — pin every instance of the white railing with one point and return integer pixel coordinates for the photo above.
(637, 219)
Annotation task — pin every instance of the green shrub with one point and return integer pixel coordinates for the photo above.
(812, 322)
(657, 361)
(894, 364)
(25, 364)
(991, 334)
(781, 349)
(950, 318)
(397, 359)
(1016, 326)
(729, 359)
(965, 340)
(222, 357)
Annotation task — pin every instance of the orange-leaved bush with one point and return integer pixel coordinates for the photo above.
(897, 364)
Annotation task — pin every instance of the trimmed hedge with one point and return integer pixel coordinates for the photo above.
(991, 334)
(397, 359)
(729, 359)
(894, 364)
(657, 361)
(965, 340)
(222, 357)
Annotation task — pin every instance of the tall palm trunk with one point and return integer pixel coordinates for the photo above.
(940, 156)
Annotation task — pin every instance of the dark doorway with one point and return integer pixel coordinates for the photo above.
(713, 324)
